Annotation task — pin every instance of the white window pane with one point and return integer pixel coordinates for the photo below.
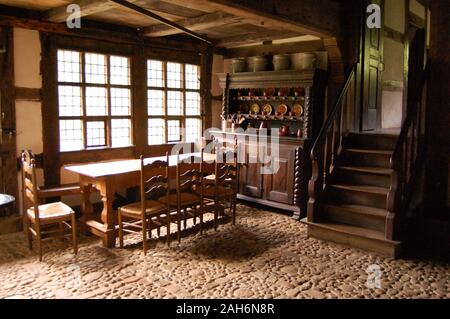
(155, 73)
(174, 103)
(173, 131)
(193, 130)
(70, 135)
(156, 131)
(119, 70)
(69, 66)
(95, 68)
(120, 101)
(192, 74)
(121, 132)
(192, 103)
(155, 102)
(174, 76)
(95, 133)
(96, 101)
(69, 98)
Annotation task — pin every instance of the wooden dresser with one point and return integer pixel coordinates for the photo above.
(286, 188)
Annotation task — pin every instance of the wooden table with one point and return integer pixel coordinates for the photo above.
(110, 177)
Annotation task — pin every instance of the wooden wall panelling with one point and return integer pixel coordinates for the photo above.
(8, 176)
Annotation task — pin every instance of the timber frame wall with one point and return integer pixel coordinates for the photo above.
(138, 53)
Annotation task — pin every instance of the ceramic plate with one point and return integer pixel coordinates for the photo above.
(297, 109)
(282, 109)
(267, 108)
(255, 108)
(243, 108)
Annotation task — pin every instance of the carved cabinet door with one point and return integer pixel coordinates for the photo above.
(279, 186)
(250, 179)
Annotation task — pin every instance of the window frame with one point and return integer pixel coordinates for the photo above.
(183, 90)
(106, 119)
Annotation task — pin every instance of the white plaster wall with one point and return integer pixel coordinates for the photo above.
(418, 9)
(27, 58)
(218, 67)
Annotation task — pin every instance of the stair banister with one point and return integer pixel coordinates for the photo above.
(326, 147)
(409, 151)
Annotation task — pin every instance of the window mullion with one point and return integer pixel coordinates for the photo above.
(108, 124)
(166, 111)
(83, 99)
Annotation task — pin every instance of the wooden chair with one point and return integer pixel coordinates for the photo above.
(48, 192)
(37, 217)
(147, 214)
(224, 187)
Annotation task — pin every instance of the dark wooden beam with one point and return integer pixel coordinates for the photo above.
(161, 19)
(271, 49)
(28, 94)
(255, 37)
(202, 22)
(315, 17)
(28, 19)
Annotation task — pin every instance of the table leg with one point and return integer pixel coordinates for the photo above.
(108, 216)
(86, 206)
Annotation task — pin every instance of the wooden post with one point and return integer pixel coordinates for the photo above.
(437, 167)
(8, 161)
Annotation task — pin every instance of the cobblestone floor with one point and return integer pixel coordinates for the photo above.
(267, 255)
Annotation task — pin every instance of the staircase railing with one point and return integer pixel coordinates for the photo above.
(328, 144)
(408, 154)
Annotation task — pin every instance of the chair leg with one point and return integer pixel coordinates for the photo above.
(234, 211)
(28, 233)
(168, 229)
(185, 218)
(120, 222)
(201, 223)
(39, 244)
(179, 226)
(144, 235)
(74, 234)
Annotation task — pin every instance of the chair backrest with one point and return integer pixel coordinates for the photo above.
(189, 176)
(226, 152)
(157, 185)
(29, 184)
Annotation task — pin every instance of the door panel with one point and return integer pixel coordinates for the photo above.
(279, 187)
(373, 63)
(250, 182)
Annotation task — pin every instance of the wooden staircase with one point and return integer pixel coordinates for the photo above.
(361, 192)
(353, 204)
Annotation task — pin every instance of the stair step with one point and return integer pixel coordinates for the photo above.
(365, 195)
(373, 176)
(362, 188)
(369, 157)
(353, 236)
(369, 151)
(356, 215)
(370, 141)
(367, 169)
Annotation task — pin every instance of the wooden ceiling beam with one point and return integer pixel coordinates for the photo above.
(271, 49)
(87, 7)
(315, 17)
(202, 22)
(255, 37)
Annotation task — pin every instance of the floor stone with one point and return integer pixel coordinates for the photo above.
(266, 255)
